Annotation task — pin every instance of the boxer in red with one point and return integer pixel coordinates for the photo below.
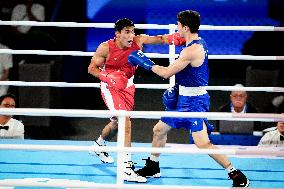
(110, 64)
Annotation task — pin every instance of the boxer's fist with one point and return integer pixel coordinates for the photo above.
(116, 79)
(176, 39)
(170, 97)
(140, 59)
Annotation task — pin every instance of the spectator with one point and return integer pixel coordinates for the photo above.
(9, 127)
(275, 137)
(29, 37)
(239, 104)
(6, 7)
(27, 11)
(6, 64)
(276, 105)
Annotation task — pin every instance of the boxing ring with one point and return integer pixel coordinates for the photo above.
(67, 164)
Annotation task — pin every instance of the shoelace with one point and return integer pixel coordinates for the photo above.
(106, 154)
(146, 159)
(131, 164)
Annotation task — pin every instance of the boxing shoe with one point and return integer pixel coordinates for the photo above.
(130, 175)
(103, 156)
(151, 169)
(239, 179)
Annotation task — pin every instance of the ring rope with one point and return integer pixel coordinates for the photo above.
(271, 151)
(265, 117)
(46, 182)
(150, 55)
(139, 26)
(139, 86)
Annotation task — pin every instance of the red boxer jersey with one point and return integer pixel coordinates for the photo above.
(117, 59)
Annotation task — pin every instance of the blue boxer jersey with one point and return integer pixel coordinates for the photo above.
(192, 95)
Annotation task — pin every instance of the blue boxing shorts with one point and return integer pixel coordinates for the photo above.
(200, 104)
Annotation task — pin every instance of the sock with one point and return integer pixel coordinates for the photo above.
(154, 158)
(231, 168)
(101, 141)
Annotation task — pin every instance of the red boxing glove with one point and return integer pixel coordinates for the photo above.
(116, 79)
(176, 39)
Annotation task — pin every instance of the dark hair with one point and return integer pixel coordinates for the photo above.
(191, 19)
(7, 95)
(122, 23)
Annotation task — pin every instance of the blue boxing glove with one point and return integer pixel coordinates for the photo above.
(140, 59)
(170, 97)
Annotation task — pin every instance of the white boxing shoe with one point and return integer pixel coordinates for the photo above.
(130, 175)
(104, 156)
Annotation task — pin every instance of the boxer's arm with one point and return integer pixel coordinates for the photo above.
(98, 59)
(193, 55)
(146, 39)
(187, 56)
(140, 59)
(174, 39)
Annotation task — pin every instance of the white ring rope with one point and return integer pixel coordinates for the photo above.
(138, 26)
(138, 86)
(271, 151)
(265, 117)
(150, 55)
(47, 182)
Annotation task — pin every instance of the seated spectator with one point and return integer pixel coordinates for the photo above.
(9, 127)
(275, 137)
(27, 10)
(276, 105)
(31, 37)
(6, 63)
(239, 104)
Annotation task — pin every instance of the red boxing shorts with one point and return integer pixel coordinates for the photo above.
(118, 99)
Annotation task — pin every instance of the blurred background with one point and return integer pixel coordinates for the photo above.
(74, 69)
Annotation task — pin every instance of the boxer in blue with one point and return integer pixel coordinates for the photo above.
(188, 95)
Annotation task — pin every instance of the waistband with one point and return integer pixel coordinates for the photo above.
(130, 82)
(192, 91)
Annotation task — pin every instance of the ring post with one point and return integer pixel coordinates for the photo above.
(172, 52)
(120, 144)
